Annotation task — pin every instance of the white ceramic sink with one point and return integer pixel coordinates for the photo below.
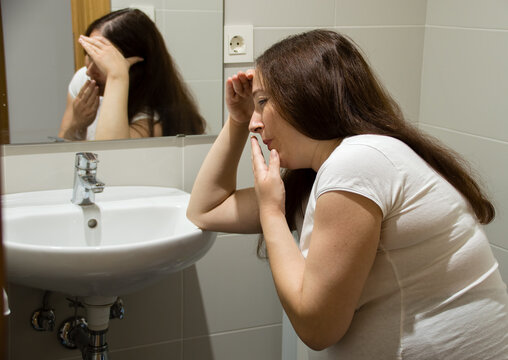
(131, 237)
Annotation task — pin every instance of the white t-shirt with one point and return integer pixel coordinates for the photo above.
(434, 291)
(77, 82)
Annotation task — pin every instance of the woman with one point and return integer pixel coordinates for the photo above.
(130, 75)
(392, 261)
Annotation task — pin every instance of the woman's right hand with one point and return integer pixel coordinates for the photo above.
(85, 105)
(239, 98)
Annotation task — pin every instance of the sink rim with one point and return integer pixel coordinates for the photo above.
(22, 200)
(109, 269)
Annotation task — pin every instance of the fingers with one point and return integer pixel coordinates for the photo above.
(134, 59)
(241, 84)
(258, 161)
(274, 165)
(89, 90)
(97, 41)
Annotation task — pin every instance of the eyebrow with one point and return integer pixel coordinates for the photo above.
(257, 91)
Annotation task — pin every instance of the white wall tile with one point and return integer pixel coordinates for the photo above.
(156, 161)
(196, 43)
(252, 344)
(210, 5)
(195, 150)
(160, 351)
(229, 289)
(264, 38)
(44, 345)
(152, 315)
(279, 13)
(395, 54)
(375, 12)
(488, 158)
(486, 14)
(208, 96)
(120, 4)
(465, 81)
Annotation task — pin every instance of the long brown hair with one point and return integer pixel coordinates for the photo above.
(155, 85)
(321, 84)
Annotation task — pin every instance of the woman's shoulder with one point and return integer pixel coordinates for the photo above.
(373, 140)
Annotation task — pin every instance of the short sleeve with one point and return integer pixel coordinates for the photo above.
(364, 170)
(77, 82)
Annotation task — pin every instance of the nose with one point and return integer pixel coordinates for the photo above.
(256, 124)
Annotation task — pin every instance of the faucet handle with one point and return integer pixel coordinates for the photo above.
(86, 161)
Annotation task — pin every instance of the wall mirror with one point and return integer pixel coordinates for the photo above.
(39, 59)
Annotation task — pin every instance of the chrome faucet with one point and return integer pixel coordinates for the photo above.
(85, 182)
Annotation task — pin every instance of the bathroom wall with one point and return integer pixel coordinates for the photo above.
(225, 306)
(463, 95)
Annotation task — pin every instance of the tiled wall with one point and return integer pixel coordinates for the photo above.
(389, 32)
(464, 95)
(225, 306)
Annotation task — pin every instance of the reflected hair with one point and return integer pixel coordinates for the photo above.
(155, 85)
(320, 83)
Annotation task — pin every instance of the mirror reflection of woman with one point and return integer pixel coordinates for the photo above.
(130, 87)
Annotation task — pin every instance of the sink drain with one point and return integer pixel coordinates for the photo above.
(92, 223)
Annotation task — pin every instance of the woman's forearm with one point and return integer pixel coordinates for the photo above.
(113, 122)
(216, 179)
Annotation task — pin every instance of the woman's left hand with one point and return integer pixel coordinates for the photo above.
(106, 56)
(268, 183)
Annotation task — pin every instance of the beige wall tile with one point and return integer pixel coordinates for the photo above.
(264, 38)
(152, 315)
(229, 289)
(156, 161)
(465, 81)
(208, 96)
(252, 344)
(396, 56)
(161, 351)
(195, 150)
(488, 158)
(189, 51)
(486, 14)
(263, 13)
(375, 12)
(23, 301)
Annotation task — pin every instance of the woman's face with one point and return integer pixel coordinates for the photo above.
(93, 71)
(276, 132)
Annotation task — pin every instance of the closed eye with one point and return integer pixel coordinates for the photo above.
(262, 102)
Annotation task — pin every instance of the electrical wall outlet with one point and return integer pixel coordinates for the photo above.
(238, 44)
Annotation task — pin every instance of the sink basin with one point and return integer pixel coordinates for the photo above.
(131, 237)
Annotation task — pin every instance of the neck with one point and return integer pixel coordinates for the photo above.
(322, 151)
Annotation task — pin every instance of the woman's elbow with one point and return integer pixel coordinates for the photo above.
(196, 218)
(319, 342)
(319, 335)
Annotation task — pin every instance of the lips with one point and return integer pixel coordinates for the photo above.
(267, 143)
